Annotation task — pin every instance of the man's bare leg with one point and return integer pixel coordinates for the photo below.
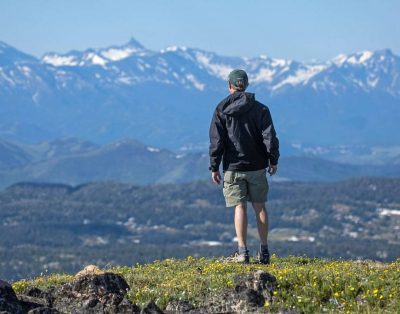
(262, 221)
(241, 224)
(262, 226)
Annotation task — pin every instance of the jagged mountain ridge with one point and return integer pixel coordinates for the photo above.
(166, 97)
(272, 74)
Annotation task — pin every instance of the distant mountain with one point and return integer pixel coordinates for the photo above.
(73, 161)
(166, 98)
(60, 148)
(12, 156)
(124, 161)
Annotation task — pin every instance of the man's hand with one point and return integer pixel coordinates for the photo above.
(216, 177)
(272, 169)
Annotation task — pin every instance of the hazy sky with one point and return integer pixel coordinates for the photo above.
(296, 29)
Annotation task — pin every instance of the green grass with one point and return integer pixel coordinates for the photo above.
(308, 284)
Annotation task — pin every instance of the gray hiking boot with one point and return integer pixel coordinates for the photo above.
(243, 258)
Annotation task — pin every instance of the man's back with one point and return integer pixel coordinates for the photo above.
(242, 131)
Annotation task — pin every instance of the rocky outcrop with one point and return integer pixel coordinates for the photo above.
(87, 293)
(34, 301)
(93, 292)
(9, 302)
(103, 293)
(248, 296)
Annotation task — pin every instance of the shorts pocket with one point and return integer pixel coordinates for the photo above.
(229, 177)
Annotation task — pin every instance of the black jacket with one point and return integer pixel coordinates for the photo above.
(242, 132)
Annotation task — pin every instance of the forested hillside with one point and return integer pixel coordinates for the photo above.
(50, 227)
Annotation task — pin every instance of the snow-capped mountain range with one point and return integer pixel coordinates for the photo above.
(166, 97)
(273, 74)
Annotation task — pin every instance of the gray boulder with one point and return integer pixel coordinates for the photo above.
(99, 293)
(151, 308)
(178, 306)
(249, 295)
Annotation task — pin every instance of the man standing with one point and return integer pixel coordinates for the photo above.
(243, 135)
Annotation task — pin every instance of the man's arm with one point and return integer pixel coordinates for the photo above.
(217, 145)
(270, 141)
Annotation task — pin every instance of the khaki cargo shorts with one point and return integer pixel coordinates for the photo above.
(245, 186)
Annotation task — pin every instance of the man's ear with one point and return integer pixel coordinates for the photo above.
(231, 89)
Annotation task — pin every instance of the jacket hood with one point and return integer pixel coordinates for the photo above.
(237, 103)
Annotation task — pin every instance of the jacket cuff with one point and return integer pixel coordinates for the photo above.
(213, 168)
(273, 161)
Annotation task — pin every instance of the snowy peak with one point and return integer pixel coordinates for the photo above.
(116, 53)
(357, 58)
(363, 57)
(174, 49)
(214, 64)
(133, 43)
(74, 58)
(366, 71)
(272, 73)
(100, 56)
(60, 60)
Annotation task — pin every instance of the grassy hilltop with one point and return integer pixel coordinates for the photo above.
(308, 285)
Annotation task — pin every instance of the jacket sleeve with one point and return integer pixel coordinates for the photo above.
(270, 140)
(217, 140)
